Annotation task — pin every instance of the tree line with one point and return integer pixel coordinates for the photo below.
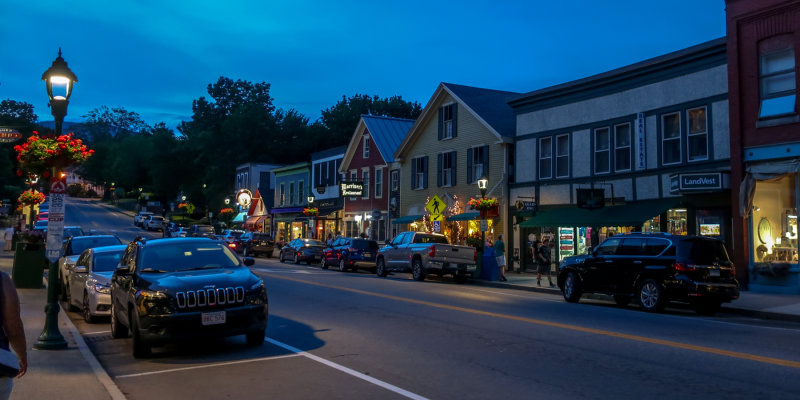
(237, 123)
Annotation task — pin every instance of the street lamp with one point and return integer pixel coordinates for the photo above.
(310, 199)
(183, 198)
(227, 201)
(58, 82)
(483, 184)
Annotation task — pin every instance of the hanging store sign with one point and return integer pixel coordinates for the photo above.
(641, 144)
(351, 189)
(697, 182)
(8, 135)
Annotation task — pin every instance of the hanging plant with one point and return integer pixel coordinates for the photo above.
(188, 208)
(482, 204)
(31, 197)
(39, 154)
(310, 211)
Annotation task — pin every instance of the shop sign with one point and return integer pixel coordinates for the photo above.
(591, 198)
(8, 135)
(642, 147)
(335, 202)
(525, 205)
(701, 182)
(484, 225)
(351, 189)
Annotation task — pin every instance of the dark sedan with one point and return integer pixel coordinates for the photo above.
(350, 253)
(308, 250)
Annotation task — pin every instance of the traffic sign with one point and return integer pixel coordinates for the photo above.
(55, 224)
(435, 205)
(484, 225)
(437, 226)
(58, 186)
(437, 217)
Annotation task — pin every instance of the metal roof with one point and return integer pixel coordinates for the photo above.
(387, 133)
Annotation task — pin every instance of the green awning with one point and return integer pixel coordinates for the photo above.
(467, 216)
(240, 217)
(631, 214)
(407, 219)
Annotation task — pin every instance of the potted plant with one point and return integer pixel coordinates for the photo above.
(310, 211)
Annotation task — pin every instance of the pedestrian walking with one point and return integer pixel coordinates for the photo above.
(543, 258)
(500, 256)
(12, 334)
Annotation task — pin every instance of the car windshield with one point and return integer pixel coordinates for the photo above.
(703, 251)
(365, 244)
(235, 234)
(83, 243)
(430, 239)
(174, 257)
(205, 229)
(107, 261)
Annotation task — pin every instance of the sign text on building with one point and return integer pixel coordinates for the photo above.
(351, 188)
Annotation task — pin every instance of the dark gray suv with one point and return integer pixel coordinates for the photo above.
(654, 269)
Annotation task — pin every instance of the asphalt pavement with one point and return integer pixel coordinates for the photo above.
(62, 374)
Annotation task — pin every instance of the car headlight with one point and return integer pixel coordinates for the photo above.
(256, 294)
(102, 288)
(152, 302)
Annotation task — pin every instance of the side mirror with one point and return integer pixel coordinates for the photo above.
(248, 261)
(122, 270)
(80, 269)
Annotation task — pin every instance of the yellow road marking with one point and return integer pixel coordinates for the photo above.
(662, 342)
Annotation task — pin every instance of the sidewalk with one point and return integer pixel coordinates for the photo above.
(56, 374)
(759, 305)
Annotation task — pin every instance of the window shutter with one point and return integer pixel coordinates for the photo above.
(425, 172)
(439, 170)
(455, 120)
(486, 161)
(414, 173)
(469, 166)
(453, 175)
(441, 122)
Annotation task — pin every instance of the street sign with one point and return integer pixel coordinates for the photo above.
(435, 205)
(55, 220)
(484, 225)
(437, 217)
(437, 226)
(525, 205)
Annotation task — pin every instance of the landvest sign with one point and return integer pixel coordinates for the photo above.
(696, 182)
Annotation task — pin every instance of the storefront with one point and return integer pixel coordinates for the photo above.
(258, 223)
(770, 199)
(288, 224)
(329, 219)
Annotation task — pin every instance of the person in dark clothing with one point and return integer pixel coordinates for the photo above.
(12, 333)
(543, 259)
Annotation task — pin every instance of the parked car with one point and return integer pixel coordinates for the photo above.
(70, 231)
(231, 238)
(139, 218)
(167, 290)
(308, 250)
(89, 285)
(202, 231)
(350, 253)
(424, 253)
(654, 269)
(254, 244)
(173, 229)
(155, 223)
(73, 247)
(42, 225)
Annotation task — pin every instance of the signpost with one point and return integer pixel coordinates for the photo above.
(55, 220)
(436, 207)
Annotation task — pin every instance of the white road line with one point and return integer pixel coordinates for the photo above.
(205, 366)
(96, 333)
(349, 371)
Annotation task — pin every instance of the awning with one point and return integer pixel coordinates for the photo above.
(240, 217)
(467, 216)
(255, 222)
(632, 214)
(407, 219)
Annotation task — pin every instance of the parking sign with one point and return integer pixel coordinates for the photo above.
(437, 226)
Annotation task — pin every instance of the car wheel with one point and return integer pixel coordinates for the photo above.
(324, 263)
(296, 259)
(342, 265)
(140, 348)
(572, 288)
(380, 268)
(255, 338)
(280, 256)
(87, 312)
(417, 271)
(706, 307)
(651, 295)
(244, 252)
(622, 300)
(118, 331)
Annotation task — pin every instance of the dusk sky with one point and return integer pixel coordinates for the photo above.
(154, 56)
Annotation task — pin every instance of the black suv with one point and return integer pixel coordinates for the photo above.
(166, 290)
(255, 243)
(202, 231)
(653, 269)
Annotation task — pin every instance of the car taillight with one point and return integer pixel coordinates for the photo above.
(232, 245)
(683, 267)
(432, 251)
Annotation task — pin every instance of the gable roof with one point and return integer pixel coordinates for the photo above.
(334, 151)
(386, 132)
(487, 105)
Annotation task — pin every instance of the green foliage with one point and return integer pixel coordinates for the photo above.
(20, 116)
(341, 119)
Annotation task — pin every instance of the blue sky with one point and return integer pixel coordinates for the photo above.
(155, 56)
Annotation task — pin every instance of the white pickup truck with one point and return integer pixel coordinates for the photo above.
(426, 253)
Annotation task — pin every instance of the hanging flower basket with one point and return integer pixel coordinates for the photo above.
(226, 212)
(483, 204)
(311, 211)
(188, 208)
(40, 154)
(31, 197)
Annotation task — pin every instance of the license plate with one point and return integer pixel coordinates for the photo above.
(213, 318)
(713, 272)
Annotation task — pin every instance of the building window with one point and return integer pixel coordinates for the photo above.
(378, 183)
(477, 163)
(622, 147)
(282, 199)
(698, 134)
(353, 178)
(365, 147)
(671, 139)
(562, 156)
(301, 195)
(291, 193)
(777, 83)
(447, 121)
(419, 173)
(602, 151)
(365, 181)
(545, 158)
(447, 169)
(395, 180)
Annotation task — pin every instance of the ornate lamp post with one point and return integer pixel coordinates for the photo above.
(58, 81)
(483, 185)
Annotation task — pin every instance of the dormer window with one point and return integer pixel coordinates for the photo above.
(447, 122)
(365, 151)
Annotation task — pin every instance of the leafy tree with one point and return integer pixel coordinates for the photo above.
(341, 119)
(21, 117)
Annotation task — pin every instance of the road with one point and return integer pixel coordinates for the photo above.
(341, 335)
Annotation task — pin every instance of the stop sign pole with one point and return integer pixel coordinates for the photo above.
(51, 338)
